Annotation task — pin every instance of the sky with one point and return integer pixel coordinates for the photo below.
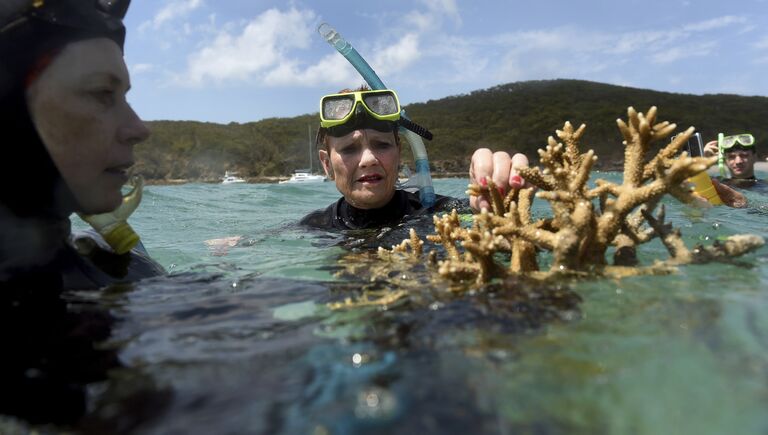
(245, 60)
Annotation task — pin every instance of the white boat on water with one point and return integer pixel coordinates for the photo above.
(304, 176)
(231, 178)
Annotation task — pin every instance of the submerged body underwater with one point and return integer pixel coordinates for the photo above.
(244, 340)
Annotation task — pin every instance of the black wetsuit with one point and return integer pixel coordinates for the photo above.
(49, 343)
(342, 216)
(752, 184)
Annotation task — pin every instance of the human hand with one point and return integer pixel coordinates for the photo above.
(730, 196)
(500, 167)
(220, 247)
(711, 149)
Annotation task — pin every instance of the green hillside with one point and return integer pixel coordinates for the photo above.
(515, 116)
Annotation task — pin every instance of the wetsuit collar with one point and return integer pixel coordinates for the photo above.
(356, 218)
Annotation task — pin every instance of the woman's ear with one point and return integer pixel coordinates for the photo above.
(325, 160)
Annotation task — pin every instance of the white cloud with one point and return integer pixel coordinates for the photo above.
(171, 11)
(715, 23)
(576, 52)
(141, 68)
(260, 49)
(448, 8)
(397, 57)
(761, 44)
(332, 70)
(684, 51)
(638, 41)
(431, 19)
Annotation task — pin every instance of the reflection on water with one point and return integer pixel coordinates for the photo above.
(267, 354)
(247, 342)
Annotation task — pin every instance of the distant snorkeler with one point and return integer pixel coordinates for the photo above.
(360, 148)
(738, 153)
(63, 85)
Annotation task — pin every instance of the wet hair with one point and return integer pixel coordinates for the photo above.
(752, 149)
(322, 132)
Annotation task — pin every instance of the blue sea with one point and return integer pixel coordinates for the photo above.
(240, 339)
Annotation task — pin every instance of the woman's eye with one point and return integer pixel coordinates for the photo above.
(104, 96)
(348, 150)
(382, 145)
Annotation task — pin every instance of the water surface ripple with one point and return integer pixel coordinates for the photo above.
(242, 341)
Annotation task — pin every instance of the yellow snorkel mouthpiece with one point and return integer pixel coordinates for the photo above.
(113, 226)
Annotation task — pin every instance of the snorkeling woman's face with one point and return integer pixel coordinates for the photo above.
(79, 108)
(364, 164)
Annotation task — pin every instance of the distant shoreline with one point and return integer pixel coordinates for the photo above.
(760, 167)
(264, 180)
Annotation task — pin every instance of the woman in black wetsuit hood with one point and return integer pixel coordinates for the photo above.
(67, 137)
(67, 140)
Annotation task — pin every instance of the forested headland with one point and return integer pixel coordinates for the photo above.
(515, 117)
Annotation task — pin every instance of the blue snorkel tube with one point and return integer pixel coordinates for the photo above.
(423, 179)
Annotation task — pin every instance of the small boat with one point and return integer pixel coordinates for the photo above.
(304, 176)
(231, 178)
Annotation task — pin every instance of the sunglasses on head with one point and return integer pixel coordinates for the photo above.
(746, 140)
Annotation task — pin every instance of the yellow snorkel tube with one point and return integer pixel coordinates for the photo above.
(113, 226)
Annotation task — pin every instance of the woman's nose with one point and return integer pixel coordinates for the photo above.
(368, 158)
(133, 130)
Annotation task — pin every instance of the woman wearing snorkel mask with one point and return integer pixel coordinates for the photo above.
(359, 148)
(66, 122)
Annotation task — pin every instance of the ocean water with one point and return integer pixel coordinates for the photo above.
(241, 340)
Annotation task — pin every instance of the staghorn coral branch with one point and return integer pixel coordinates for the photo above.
(634, 149)
(571, 139)
(670, 237)
(448, 234)
(603, 187)
(669, 152)
(535, 177)
(733, 246)
(578, 235)
(556, 196)
(525, 196)
(580, 180)
(536, 235)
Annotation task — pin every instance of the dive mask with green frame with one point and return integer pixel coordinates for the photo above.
(380, 110)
